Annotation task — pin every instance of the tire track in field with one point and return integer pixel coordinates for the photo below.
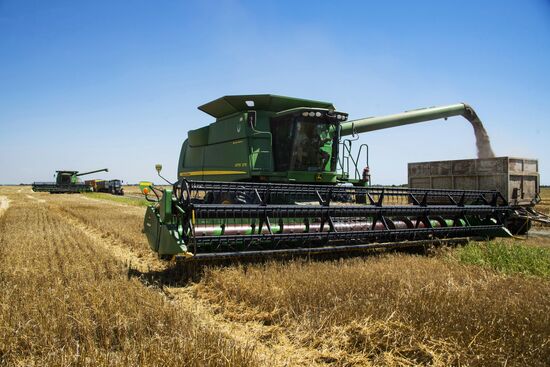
(110, 202)
(34, 198)
(245, 334)
(110, 243)
(270, 343)
(273, 346)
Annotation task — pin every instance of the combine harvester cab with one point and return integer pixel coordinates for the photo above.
(275, 176)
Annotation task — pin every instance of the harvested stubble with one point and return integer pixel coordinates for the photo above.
(132, 189)
(395, 310)
(128, 199)
(64, 301)
(121, 221)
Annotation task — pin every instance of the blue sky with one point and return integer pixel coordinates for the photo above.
(93, 84)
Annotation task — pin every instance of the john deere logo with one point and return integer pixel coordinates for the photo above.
(318, 177)
(238, 127)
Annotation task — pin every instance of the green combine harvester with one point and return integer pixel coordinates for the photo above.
(275, 175)
(66, 182)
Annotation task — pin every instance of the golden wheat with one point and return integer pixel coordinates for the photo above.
(404, 309)
(65, 301)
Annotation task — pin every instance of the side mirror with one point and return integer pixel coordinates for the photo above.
(158, 167)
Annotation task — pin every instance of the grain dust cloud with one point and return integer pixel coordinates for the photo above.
(483, 143)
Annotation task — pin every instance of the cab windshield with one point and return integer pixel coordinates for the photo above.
(304, 144)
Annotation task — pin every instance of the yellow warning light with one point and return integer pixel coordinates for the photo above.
(145, 190)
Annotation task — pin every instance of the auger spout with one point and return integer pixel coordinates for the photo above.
(420, 115)
(405, 118)
(90, 172)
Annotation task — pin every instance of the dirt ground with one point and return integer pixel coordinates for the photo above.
(80, 286)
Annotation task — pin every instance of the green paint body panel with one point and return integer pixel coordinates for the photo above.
(151, 227)
(166, 206)
(163, 234)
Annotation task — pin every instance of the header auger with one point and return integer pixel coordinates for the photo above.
(275, 176)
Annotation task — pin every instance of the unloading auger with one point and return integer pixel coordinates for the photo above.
(271, 177)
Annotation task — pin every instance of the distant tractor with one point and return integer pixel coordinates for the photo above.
(111, 186)
(66, 182)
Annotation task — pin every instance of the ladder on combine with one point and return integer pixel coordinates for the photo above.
(349, 164)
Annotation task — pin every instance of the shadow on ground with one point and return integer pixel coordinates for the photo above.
(181, 273)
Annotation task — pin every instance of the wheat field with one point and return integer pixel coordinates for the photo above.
(80, 287)
(66, 300)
